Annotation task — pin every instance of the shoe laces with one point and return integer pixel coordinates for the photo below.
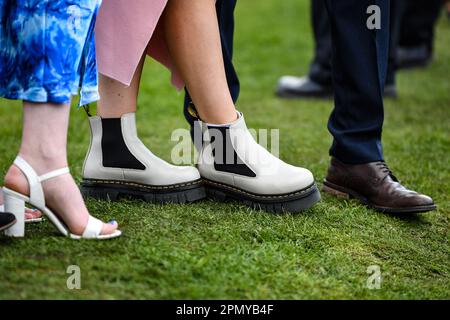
(385, 168)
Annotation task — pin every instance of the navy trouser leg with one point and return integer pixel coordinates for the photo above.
(398, 8)
(225, 14)
(320, 69)
(360, 60)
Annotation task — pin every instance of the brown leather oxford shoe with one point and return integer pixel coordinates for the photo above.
(374, 185)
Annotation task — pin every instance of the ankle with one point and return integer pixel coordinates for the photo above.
(44, 162)
(110, 115)
(221, 119)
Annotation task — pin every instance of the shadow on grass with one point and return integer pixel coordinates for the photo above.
(412, 219)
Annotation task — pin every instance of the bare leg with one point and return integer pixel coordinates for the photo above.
(192, 34)
(44, 147)
(116, 98)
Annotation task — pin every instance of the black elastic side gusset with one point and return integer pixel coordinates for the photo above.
(115, 151)
(220, 163)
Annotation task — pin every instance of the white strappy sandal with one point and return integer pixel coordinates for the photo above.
(15, 203)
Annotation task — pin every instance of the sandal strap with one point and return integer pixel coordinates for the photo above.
(37, 197)
(93, 228)
(36, 192)
(54, 174)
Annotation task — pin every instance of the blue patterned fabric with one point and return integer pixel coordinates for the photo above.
(47, 50)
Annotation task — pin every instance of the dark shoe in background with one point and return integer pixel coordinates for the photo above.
(302, 87)
(7, 220)
(291, 87)
(374, 185)
(413, 57)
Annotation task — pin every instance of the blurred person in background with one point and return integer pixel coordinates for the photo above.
(411, 45)
(417, 29)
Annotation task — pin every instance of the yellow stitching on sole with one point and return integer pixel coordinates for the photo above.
(134, 184)
(258, 196)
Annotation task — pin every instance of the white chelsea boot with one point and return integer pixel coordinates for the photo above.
(119, 165)
(233, 165)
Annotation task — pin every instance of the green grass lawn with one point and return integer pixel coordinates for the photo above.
(225, 250)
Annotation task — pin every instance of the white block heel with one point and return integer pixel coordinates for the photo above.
(27, 221)
(16, 206)
(15, 203)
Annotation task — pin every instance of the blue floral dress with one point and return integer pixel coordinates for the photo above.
(47, 50)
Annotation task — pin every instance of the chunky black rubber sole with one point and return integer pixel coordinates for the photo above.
(113, 190)
(342, 192)
(286, 203)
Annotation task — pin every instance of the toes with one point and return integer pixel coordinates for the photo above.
(109, 228)
(37, 214)
(32, 214)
